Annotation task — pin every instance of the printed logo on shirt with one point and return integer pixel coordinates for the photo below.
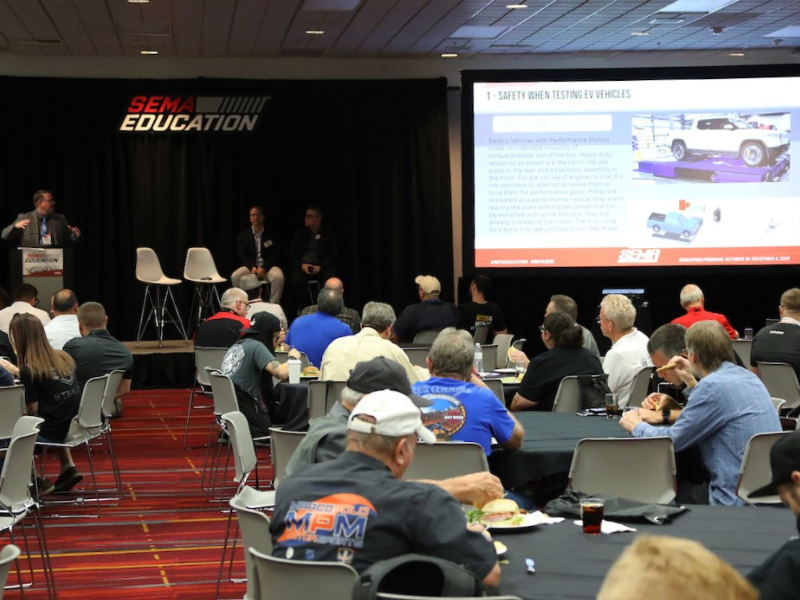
(233, 360)
(445, 416)
(335, 520)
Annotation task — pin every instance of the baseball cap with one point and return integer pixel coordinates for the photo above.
(784, 457)
(250, 282)
(263, 322)
(382, 374)
(394, 413)
(428, 283)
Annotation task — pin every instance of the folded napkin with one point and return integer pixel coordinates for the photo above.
(609, 527)
(539, 518)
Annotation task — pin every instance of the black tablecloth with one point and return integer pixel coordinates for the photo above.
(570, 565)
(550, 440)
(292, 410)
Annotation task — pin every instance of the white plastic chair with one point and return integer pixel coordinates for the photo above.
(201, 270)
(12, 407)
(778, 404)
(417, 356)
(781, 382)
(224, 395)
(568, 396)
(283, 444)
(426, 336)
(446, 459)
(480, 335)
(253, 524)
(756, 470)
(204, 358)
(503, 343)
(603, 466)
(285, 579)
(496, 385)
(641, 383)
(322, 395)
(8, 554)
(489, 357)
(743, 348)
(154, 303)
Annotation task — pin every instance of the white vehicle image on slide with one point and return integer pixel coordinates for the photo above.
(729, 136)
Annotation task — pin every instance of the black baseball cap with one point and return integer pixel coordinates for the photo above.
(784, 457)
(263, 322)
(382, 374)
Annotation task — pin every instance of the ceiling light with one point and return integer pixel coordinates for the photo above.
(148, 52)
(449, 55)
(138, 1)
(315, 32)
(697, 6)
(736, 54)
(639, 33)
(513, 6)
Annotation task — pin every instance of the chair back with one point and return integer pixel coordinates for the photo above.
(503, 343)
(8, 554)
(480, 335)
(322, 395)
(200, 266)
(283, 444)
(88, 423)
(742, 348)
(426, 336)
(756, 471)
(603, 466)
(641, 384)
(110, 393)
(148, 267)
(12, 407)
(489, 357)
(778, 403)
(254, 527)
(446, 459)
(223, 392)
(207, 357)
(568, 396)
(781, 382)
(15, 477)
(496, 385)
(518, 344)
(417, 356)
(241, 444)
(282, 356)
(300, 580)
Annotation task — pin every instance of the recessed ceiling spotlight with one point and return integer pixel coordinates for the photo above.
(736, 54)
(449, 55)
(513, 6)
(639, 33)
(315, 32)
(149, 52)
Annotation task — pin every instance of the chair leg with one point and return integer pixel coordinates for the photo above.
(142, 323)
(176, 318)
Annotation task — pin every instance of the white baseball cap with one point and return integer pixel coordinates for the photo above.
(394, 413)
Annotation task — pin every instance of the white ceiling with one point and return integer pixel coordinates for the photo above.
(582, 33)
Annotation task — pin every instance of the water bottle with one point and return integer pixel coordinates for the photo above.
(478, 360)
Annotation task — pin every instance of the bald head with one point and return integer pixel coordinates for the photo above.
(334, 283)
(691, 296)
(64, 302)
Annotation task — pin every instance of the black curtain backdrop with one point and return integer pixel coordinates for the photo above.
(374, 154)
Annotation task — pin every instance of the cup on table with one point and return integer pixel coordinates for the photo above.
(612, 406)
(519, 365)
(294, 370)
(748, 333)
(592, 515)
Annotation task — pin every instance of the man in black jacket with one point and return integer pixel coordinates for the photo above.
(257, 249)
(312, 255)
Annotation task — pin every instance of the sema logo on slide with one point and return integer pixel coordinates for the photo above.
(637, 255)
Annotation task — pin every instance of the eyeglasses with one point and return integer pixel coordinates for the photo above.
(51, 201)
(311, 216)
(542, 329)
(601, 319)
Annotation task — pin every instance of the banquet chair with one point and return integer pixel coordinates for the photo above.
(253, 524)
(503, 342)
(283, 445)
(322, 395)
(480, 335)
(426, 336)
(417, 356)
(16, 501)
(203, 358)
(8, 555)
(781, 382)
(155, 301)
(446, 459)
(603, 466)
(224, 395)
(489, 357)
(496, 385)
(778, 403)
(518, 344)
(201, 270)
(286, 579)
(109, 409)
(12, 407)
(641, 385)
(742, 348)
(756, 471)
(568, 396)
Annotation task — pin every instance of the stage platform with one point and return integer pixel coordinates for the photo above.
(168, 366)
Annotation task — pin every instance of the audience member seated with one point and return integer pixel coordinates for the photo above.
(52, 392)
(246, 362)
(250, 284)
(464, 409)
(693, 302)
(258, 253)
(565, 304)
(566, 356)
(388, 517)
(628, 353)
(6, 349)
(778, 578)
(96, 352)
(224, 328)
(668, 568)
(64, 325)
(348, 316)
(373, 340)
(25, 301)
(780, 342)
(313, 333)
(666, 342)
(727, 407)
(327, 437)
(6, 378)
(312, 254)
(430, 313)
(479, 312)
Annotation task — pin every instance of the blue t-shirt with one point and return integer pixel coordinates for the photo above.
(464, 412)
(313, 333)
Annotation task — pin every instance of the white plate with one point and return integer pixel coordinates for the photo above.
(506, 371)
(528, 520)
(499, 547)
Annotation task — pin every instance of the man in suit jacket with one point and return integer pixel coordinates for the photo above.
(258, 254)
(41, 227)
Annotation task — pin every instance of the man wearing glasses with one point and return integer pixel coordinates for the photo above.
(42, 226)
(312, 255)
(223, 329)
(25, 301)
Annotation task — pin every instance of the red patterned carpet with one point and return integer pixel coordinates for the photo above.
(164, 539)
